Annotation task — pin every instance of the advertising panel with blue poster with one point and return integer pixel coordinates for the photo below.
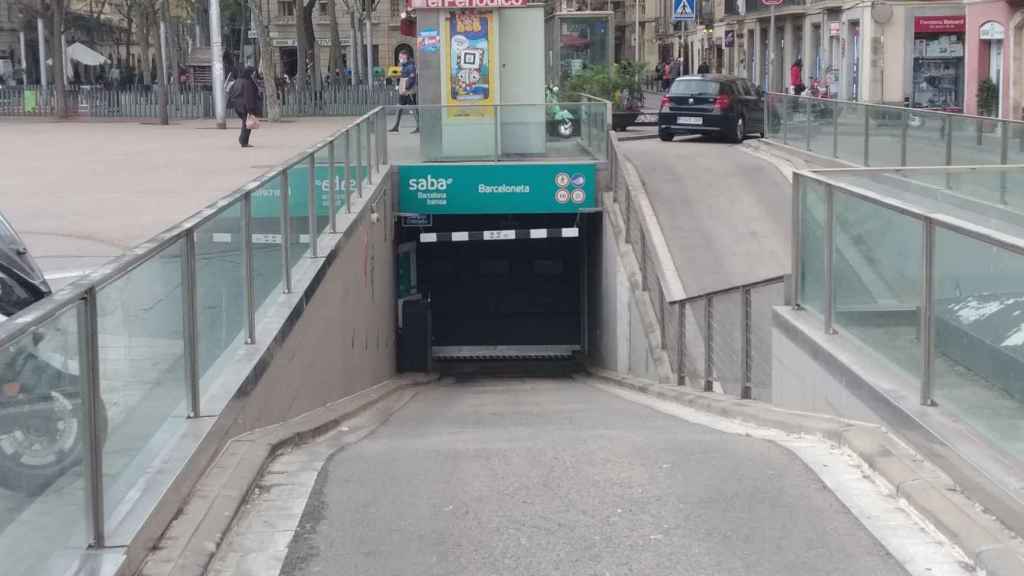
(684, 10)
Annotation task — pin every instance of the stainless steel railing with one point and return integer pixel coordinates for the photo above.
(716, 341)
(143, 331)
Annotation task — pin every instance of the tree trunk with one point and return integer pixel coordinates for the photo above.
(336, 58)
(300, 46)
(57, 57)
(267, 68)
(357, 60)
(144, 35)
(310, 52)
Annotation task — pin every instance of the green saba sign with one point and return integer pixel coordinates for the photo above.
(497, 188)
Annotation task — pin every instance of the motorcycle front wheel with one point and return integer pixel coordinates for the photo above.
(565, 128)
(34, 455)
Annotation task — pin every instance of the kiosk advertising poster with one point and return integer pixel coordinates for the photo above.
(468, 78)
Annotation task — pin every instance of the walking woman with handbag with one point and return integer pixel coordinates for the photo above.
(243, 96)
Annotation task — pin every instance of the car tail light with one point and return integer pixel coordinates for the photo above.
(664, 102)
(722, 102)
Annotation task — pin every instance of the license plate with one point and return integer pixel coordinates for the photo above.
(690, 120)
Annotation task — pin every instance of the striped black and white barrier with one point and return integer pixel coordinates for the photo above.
(477, 235)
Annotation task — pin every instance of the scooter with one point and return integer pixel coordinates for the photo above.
(41, 417)
(560, 121)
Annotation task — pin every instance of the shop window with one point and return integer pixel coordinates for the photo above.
(938, 62)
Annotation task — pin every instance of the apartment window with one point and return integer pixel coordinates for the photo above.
(396, 8)
(323, 8)
(285, 8)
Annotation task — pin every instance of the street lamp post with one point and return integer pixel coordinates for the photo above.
(164, 116)
(217, 57)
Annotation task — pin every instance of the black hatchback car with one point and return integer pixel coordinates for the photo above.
(711, 104)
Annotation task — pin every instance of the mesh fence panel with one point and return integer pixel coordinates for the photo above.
(762, 300)
(672, 335)
(726, 346)
(695, 348)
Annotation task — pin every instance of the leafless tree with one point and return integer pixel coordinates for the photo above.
(267, 67)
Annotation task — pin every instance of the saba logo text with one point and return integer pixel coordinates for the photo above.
(429, 183)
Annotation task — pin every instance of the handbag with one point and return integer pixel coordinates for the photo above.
(252, 122)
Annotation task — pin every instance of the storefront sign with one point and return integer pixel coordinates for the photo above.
(833, 29)
(991, 31)
(939, 24)
(684, 10)
(496, 188)
(467, 73)
(469, 4)
(730, 38)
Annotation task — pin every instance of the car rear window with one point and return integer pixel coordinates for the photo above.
(694, 87)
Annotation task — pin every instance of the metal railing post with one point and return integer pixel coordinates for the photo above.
(248, 278)
(369, 153)
(786, 110)
(835, 129)
(807, 108)
(286, 271)
(745, 341)
(681, 344)
(795, 240)
(1004, 153)
(979, 127)
(904, 132)
(92, 447)
(384, 135)
(359, 158)
(311, 204)
(629, 203)
(829, 245)
(332, 202)
(190, 322)
(927, 313)
(709, 384)
(867, 129)
(348, 172)
(948, 123)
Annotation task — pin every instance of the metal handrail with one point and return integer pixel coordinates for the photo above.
(746, 286)
(803, 97)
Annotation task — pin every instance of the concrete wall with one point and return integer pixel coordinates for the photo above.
(344, 340)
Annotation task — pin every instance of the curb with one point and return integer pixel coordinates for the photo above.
(189, 544)
(988, 543)
(636, 137)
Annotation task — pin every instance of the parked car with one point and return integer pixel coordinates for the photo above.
(40, 393)
(711, 104)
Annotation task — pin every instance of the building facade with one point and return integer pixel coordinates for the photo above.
(932, 54)
(386, 37)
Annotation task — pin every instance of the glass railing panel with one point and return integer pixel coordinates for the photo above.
(220, 291)
(141, 368)
(978, 370)
(877, 273)
(812, 241)
(266, 243)
(850, 125)
(42, 483)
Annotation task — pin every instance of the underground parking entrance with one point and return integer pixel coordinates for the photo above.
(490, 270)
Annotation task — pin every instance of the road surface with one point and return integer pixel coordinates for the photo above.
(545, 476)
(724, 213)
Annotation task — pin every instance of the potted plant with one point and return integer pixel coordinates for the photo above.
(621, 85)
(988, 102)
